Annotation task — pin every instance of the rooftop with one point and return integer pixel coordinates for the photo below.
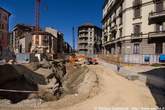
(5, 11)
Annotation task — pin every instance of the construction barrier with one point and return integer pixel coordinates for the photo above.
(134, 58)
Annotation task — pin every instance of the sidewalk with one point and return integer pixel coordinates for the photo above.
(153, 77)
(132, 72)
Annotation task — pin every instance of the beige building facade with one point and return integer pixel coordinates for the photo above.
(135, 29)
(89, 39)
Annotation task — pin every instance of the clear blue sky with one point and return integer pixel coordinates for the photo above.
(60, 14)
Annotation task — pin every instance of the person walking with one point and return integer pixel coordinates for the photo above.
(118, 67)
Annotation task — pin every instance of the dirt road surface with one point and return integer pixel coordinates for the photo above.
(115, 91)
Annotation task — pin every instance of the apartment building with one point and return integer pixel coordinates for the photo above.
(89, 39)
(22, 38)
(135, 29)
(4, 28)
(60, 40)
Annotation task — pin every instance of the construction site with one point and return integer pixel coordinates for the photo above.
(40, 70)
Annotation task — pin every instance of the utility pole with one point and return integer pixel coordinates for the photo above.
(73, 38)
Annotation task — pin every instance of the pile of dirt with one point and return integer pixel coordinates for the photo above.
(54, 77)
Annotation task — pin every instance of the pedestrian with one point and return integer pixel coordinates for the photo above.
(118, 67)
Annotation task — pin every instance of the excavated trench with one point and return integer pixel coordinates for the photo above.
(43, 85)
(18, 78)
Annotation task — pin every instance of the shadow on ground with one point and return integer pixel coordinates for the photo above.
(156, 83)
(18, 77)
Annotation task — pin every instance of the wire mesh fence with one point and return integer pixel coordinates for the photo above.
(131, 58)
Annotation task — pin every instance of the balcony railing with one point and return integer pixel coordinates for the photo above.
(83, 41)
(83, 47)
(83, 36)
(136, 36)
(83, 31)
(156, 34)
(155, 17)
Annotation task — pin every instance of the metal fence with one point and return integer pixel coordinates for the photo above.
(141, 59)
(25, 57)
(132, 58)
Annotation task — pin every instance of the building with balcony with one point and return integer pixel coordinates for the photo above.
(134, 29)
(89, 39)
(4, 31)
(21, 40)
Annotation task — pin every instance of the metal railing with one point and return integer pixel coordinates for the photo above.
(132, 58)
(156, 34)
(136, 36)
(152, 14)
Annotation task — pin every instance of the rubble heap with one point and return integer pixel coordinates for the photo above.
(54, 79)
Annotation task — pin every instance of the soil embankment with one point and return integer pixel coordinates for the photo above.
(18, 77)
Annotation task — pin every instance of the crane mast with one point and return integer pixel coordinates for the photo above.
(37, 15)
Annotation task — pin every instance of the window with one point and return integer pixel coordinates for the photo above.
(136, 49)
(137, 29)
(37, 40)
(159, 27)
(0, 34)
(159, 5)
(2, 26)
(159, 48)
(90, 45)
(91, 39)
(121, 19)
(5, 17)
(137, 12)
(0, 17)
(121, 32)
(90, 33)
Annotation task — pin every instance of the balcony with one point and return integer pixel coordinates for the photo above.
(156, 34)
(155, 17)
(83, 41)
(83, 31)
(83, 47)
(83, 36)
(137, 3)
(136, 36)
